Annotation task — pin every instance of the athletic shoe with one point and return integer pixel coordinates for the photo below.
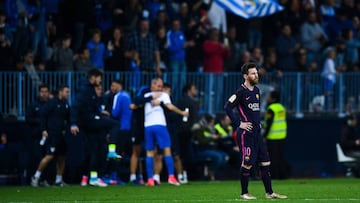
(97, 182)
(275, 196)
(34, 182)
(84, 181)
(182, 180)
(172, 180)
(247, 196)
(113, 155)
(150, 182)
(61, 184)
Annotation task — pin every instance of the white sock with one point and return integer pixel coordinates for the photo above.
(58, 179)
(180, 176)
(37, 174)
(132, 177)
(156, 177)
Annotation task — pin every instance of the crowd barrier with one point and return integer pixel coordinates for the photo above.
(301, 93)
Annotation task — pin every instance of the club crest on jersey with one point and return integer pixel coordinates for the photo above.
(257, 96)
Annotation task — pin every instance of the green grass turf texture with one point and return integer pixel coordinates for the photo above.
(298, 190)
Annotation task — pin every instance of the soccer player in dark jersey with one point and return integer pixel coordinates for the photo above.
(248, 137)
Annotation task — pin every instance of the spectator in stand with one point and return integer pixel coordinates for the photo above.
(143, 44)
(98, 51)
(231, 64)
(163, 44)
(329, 73)
(6, 52)
(38, 29)
(313, 36)
(184, 15)
(340, 46)
(83, 62)
(116, 62)
(286, 47)
(31, 70)
(62, 58)
(352, 50)
(161, 20)
(217, 18)
(257, 56)
(5, 27)
(131, 16)
(327, 11)
(83, 19)
(214, 53)
(207, 139)
(17, 13)
(176, 45)
(196, 33)
(335, 25)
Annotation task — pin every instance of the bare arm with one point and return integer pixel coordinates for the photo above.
(175, 109)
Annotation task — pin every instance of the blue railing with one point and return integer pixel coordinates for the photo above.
(301, 93)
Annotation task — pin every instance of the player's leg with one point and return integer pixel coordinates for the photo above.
(150, 146)
(164, 142)
(137, 140)
(264, 167)
(112, 126)
(60, 160)
(246, 144)
(95, 151)
(158, 164)
(49, 155)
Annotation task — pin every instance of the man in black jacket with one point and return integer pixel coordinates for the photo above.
(87, 116)
(54, 118)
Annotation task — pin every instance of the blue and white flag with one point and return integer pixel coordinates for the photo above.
(250, 8)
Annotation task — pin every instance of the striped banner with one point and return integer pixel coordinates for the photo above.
(250, 8)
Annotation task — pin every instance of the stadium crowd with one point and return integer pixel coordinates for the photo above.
(154, 36)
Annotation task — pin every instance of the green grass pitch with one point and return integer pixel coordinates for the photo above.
(298, 190)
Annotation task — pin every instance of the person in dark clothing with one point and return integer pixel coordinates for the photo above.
(275, 134)
(86, 115)
(32, 118)
(54, 118)
(188, 100)
(349, 141)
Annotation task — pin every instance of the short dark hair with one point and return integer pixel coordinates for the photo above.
(275, 95)
(94, 72)
(43, 86)
(117, 81)
(245, 68)
(166, 85)
(187, 87)
(61, 88)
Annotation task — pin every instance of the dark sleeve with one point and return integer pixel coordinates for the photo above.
(345, 141)
(44, 113)
(76, 106)
(230, 104)
(269, 121)
(30, 116)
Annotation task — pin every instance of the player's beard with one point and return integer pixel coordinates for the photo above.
(254, 81)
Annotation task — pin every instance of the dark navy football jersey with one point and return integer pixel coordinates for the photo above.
(247, 102)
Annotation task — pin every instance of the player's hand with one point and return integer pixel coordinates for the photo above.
(185, 113)
(155, 102)
(246, 126)
(357, 142)
(45, 133)
(106, 113)
(74, 129)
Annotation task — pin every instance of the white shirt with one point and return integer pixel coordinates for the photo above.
(154, 115)
(217, 17)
